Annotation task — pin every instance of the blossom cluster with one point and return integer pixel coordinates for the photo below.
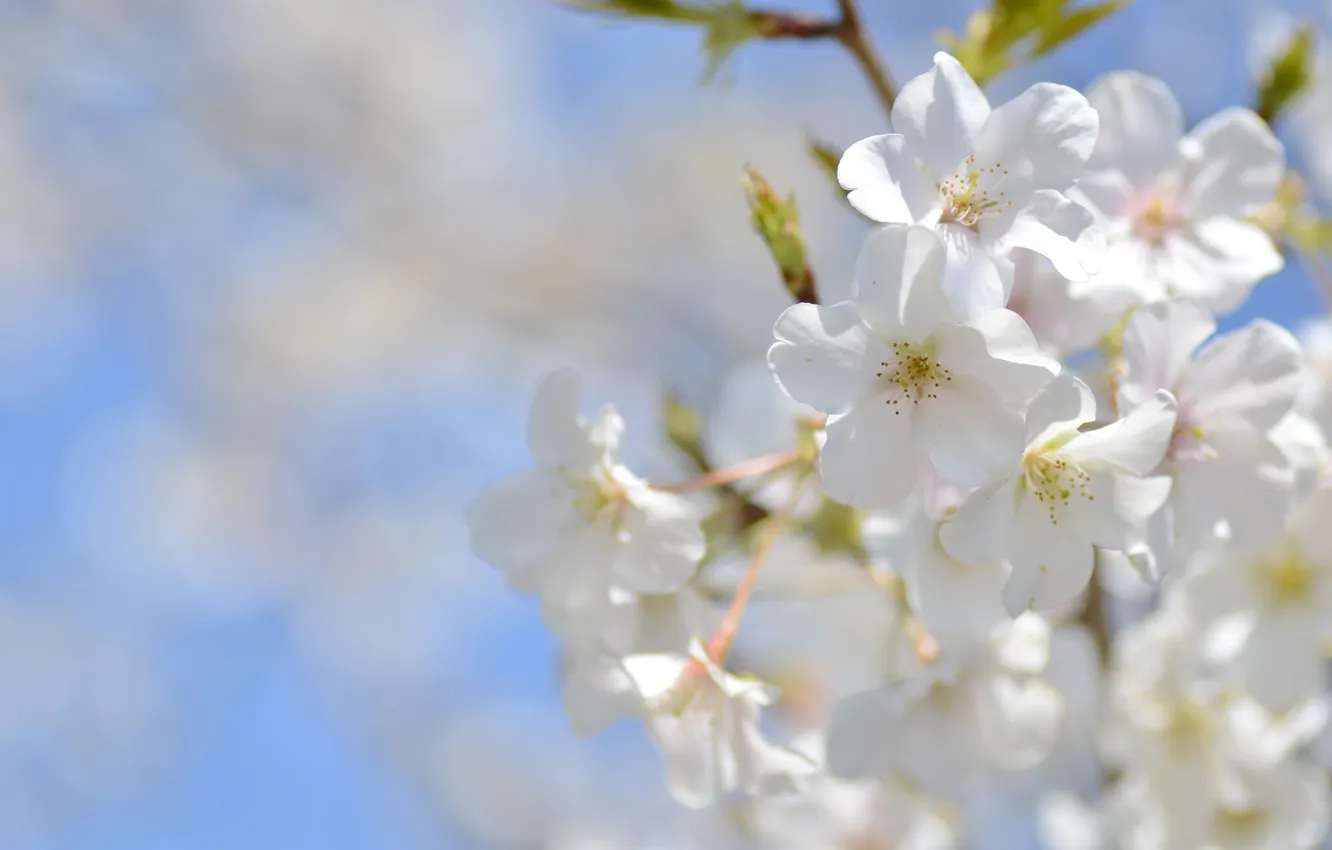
(1015, 517)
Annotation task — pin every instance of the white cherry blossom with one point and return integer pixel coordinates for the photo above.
(1281, 595)
(987, 180)
(1231, 392)
(1065, 316)
(978, 706)
(580, 522)
(705, 723)
(1069, 491)
(904, 379)
(1173, 206)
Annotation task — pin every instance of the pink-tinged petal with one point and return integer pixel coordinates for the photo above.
(899, 282)
(1042, 138)
(972, 284)
(940, 114)
(1052, 560)
(869, 459)
(1108, 194)
(1252, 374)
(1159, 339)
(822, 356)
(1232, 166)
(1058, 229)
(969, 434)
(978, 532)
(1141, 125)
(555, 431)
(1062, 406)
(885, 183)
(1135, 444)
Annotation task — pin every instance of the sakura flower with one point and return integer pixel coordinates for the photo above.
(705, 723)
(1287, 810)
(1282, 595)
(1065, 316)
(978, 706)
(904, 378)
(1315, 398)
(955, 602)
(1069, 491)
(1231, 392)
(580, 521)
(1173, 206)
(987, 180)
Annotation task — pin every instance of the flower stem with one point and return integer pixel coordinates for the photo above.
(1094, 614)
(761, 465)
(719, 645)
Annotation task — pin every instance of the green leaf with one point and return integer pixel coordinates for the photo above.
(777, 222)
(684, 429)
(1071, 26)
(1287, 76)
(826, 157)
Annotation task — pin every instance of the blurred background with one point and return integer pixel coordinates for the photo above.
(277, 278)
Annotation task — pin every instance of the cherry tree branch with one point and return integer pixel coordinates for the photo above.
(761, 465)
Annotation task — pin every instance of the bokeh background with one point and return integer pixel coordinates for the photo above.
(277, 278)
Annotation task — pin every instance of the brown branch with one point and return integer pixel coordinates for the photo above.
(761, 465)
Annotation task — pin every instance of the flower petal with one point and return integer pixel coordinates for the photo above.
(1141, 125)
(1058, 229)
(969, 434)
(885, 183)
(661, 544)
(1043, 138)
(1134, 444)
(869, 458)
(1252, 373)
(978, 532)
(1062, 406)
(999, 350)
(538, 499)
(972, 284)
(1232, 166)
(820, 357)
(556, 434)
(1159, 339)
(1052, 561)
(899, 277)
(940, 114)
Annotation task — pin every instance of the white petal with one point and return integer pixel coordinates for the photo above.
(820, 357)
(662, 543)
(655, 675)
(1108, 194)
(597, 693)
(536, 503)
(555, 432)
(1233, 166)
(1141, 125)
(1236, 252)
(1062, 406)
(940, 113)
(979, 531)
(899, 282)
(1024, 647)
(1159, 339)
(884, 182)
(1059, 230)
(969, 434)
(1133, 444)
(1043, 137)
(1020, 720)
(1000, 351)
(869, 459)
(959, 604)
(1052, 561)
(972, 284)
(1252, 373)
